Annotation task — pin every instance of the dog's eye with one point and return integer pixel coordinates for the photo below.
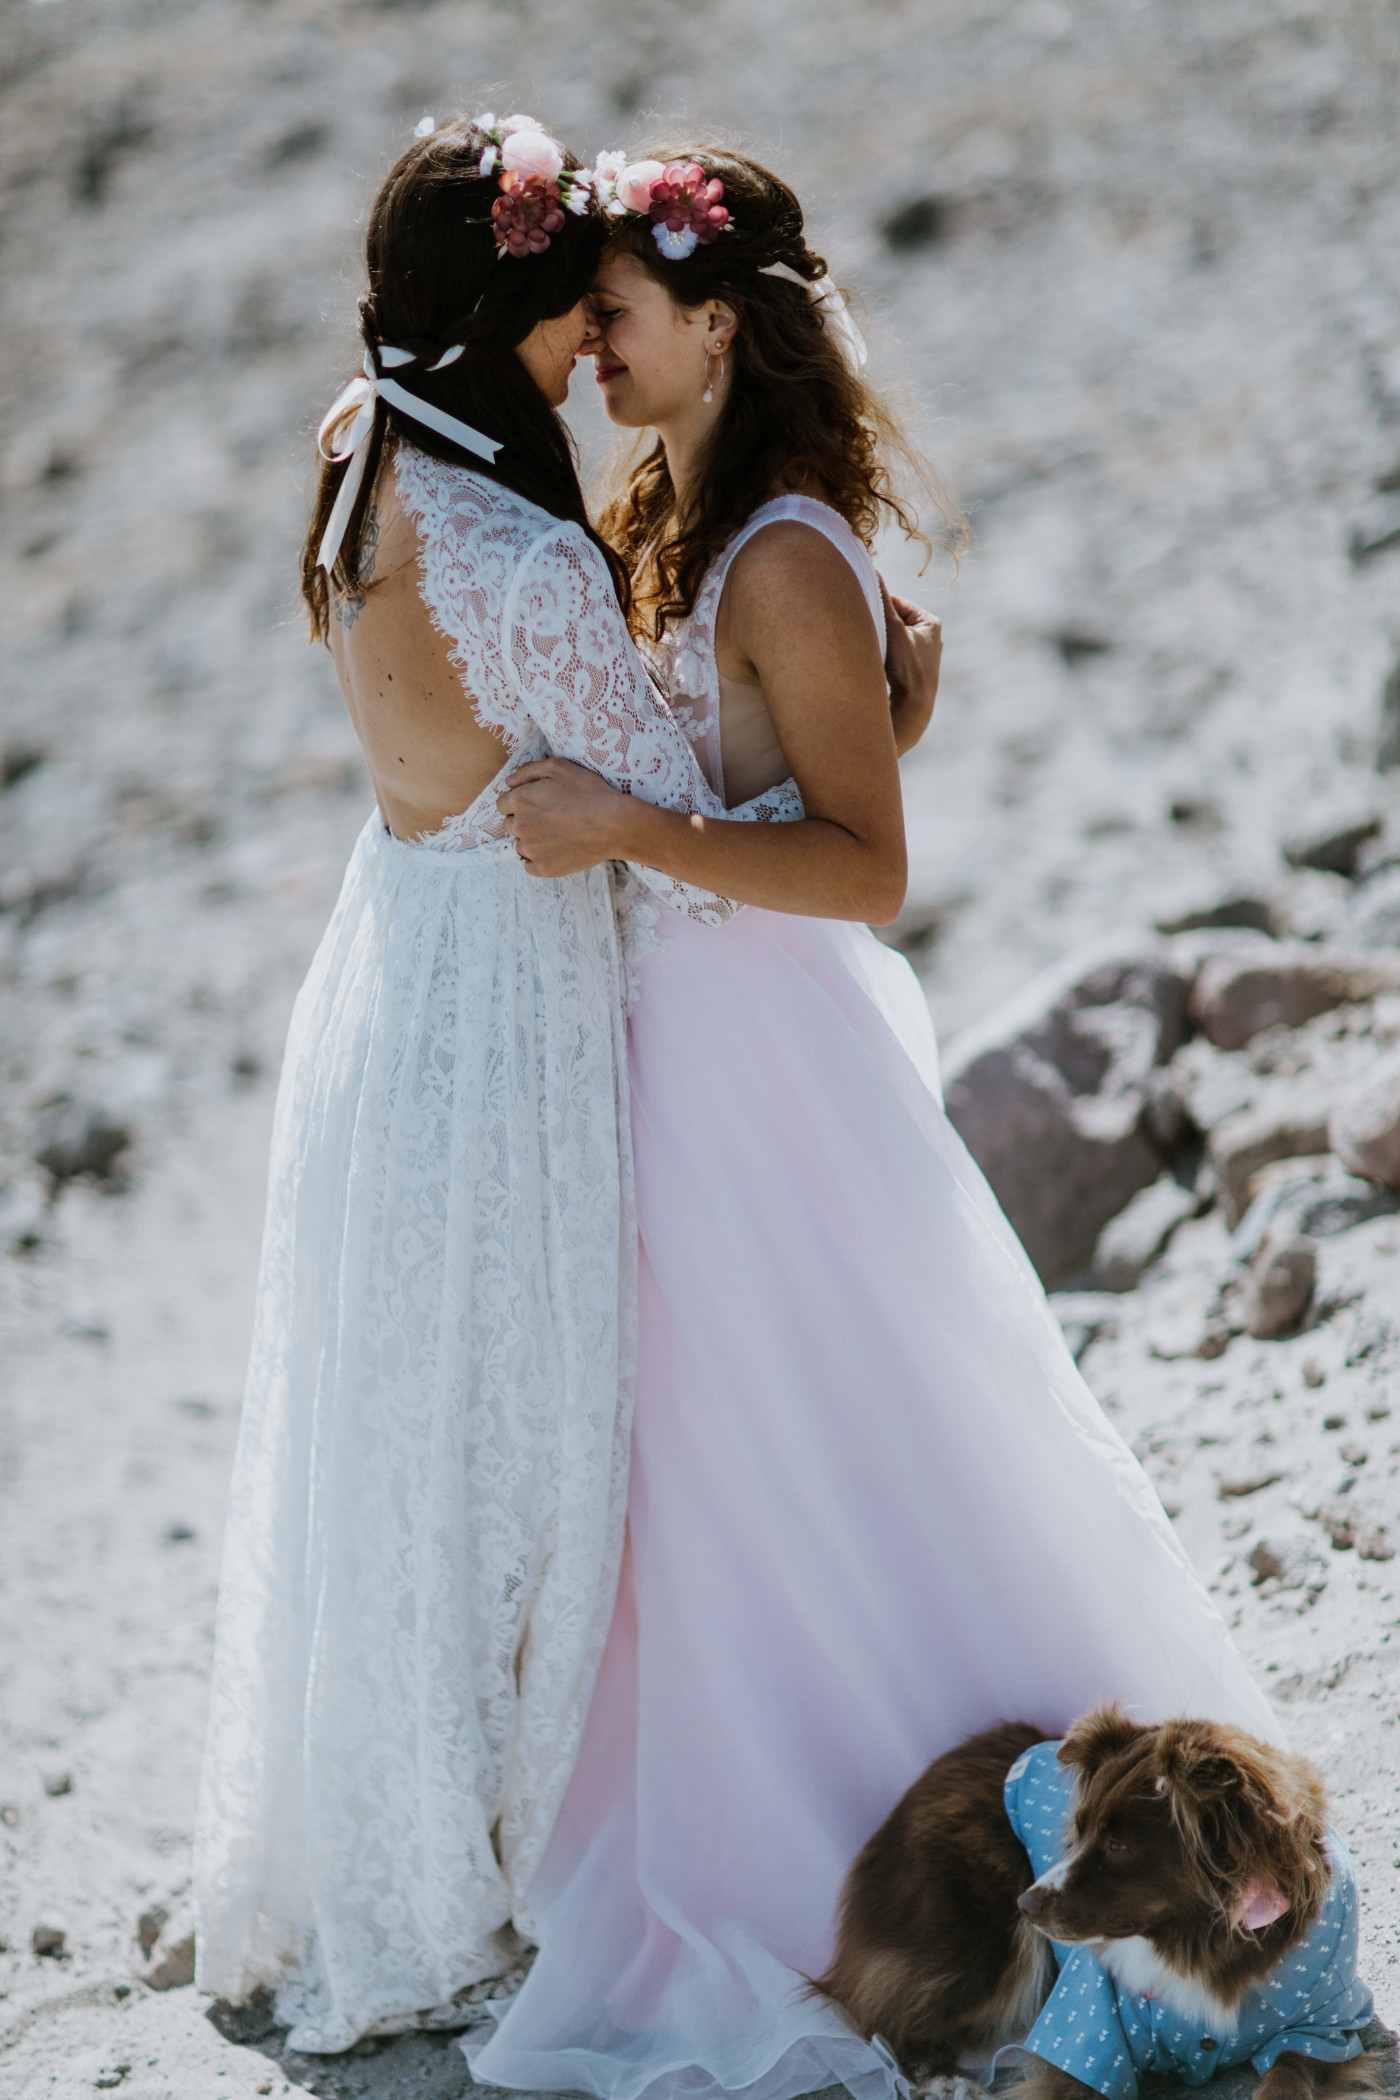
(1114, 1847)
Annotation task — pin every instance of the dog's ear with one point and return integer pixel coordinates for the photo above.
(1252, 1819)
(1095, 1737)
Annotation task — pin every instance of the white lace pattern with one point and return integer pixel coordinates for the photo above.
(427, 1505)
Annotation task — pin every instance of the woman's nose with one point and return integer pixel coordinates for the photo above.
(592, 334)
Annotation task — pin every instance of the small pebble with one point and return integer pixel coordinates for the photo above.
(56, 1783)
(9, 1816)
(48, 1941)
(1334, 1421)
(1313, 1374)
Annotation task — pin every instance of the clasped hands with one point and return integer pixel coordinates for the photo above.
(564, 818)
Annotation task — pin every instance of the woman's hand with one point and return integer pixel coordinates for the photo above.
(562, 817)
(913, 655)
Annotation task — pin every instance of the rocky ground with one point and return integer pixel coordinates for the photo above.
(1134, 264)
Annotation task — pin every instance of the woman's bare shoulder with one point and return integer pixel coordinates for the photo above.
(794, 566)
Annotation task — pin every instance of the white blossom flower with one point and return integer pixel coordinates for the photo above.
(489, 159)
(424, 127)
(576, 194)
(517, 123)
(676, 246)
(486, 121)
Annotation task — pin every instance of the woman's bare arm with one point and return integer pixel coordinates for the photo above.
(798, 617)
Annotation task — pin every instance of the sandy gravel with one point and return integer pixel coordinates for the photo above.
(1156, 342)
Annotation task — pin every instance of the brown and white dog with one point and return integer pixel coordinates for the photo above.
(1197, 1865)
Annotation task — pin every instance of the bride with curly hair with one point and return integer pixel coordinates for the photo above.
(873, 1505)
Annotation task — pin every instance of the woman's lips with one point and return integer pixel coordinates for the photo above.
(604, 373)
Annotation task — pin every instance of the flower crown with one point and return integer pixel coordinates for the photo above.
(678, 196)
(537, 189)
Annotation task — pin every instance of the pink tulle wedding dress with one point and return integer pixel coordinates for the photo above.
(873, 1506)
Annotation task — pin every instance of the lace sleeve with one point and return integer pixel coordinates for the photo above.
(586, 688)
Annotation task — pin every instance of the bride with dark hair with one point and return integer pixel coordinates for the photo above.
(874, 1507)
(427, 1504)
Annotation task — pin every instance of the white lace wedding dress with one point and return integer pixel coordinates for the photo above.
(428, 1497)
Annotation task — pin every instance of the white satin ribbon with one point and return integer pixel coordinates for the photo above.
(836, 314)
(356, 400)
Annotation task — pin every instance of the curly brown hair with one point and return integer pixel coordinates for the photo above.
(434, 280)
(796, 417)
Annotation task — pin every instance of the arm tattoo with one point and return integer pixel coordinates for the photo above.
(350, 604)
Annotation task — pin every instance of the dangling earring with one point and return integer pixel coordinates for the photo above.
(709, 393)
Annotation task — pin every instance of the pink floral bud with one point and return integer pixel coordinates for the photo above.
(531, 153)
(634, 184)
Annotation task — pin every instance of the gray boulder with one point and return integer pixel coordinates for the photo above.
(1287, 1128)
(1238, 995)
(1365, 1125)
(1280, 1288)
(1334, 846)
(1049, 1093)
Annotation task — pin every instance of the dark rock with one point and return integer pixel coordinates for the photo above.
(1167, 1116)
(1195, 813)
(1246, 1484)
(1289, 1129)
(77, 1138)
(1255, 913)
(173, 1967)
(918, 224)
(1339, 1521)
(1049, 1093)
(1365, 1125)
(1236, 996)
(49, 1942)
(252, 2021)
(123, 131)
(18, 761)
(303, 142)
(57, 1784)
(1375, 1544)
(1280, 1288)
(1076, 644)
(1316, 1208)
(1290, 1564)
(150, 1925)
(1334, 847)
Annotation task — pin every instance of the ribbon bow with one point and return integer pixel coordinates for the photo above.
(836, 314)
(356, 401)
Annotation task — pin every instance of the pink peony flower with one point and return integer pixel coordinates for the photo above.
(635, 183)
(531, 153)
(515, 123)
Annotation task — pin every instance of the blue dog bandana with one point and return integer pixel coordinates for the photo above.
(1102, 2034)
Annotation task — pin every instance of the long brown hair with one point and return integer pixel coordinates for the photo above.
(796, 416)
(434, 280)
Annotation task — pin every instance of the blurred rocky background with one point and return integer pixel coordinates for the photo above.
(1134, 265)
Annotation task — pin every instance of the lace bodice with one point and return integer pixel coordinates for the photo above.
(537, 633)
(684, 660)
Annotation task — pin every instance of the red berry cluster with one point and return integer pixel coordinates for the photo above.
(529, 209)
(683, 199)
